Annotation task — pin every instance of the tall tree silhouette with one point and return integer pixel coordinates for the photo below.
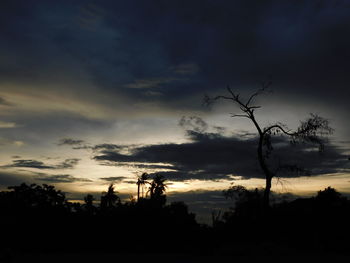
(157, 189)
(141, 182)
(89, 200)
(311, 130)
(109, 198)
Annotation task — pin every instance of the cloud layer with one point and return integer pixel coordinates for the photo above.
(213, 156)
(66, 164)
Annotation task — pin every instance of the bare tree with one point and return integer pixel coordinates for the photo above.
(312, 130)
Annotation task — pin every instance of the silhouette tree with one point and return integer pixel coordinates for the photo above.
(157, 189)
(141, 182)
(89, 200)
(109, 198)
(329, 197)
(312, 130)
(158, 186)
(246, 202)
(35, 196)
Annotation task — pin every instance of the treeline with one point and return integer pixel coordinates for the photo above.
(316, 224)
(39, 218)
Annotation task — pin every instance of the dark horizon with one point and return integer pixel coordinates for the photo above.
(41, 224)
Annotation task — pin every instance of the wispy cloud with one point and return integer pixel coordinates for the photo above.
(70, 141)
(149, 83)
(4, 124)
(66, 164)
(186, 69)
(114, 178)
(75, 143)
(6, 142)
(59, 178)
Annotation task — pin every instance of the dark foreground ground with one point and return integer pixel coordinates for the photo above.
(35, 227)
(257, 256)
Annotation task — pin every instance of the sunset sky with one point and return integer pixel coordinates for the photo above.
(95, 92)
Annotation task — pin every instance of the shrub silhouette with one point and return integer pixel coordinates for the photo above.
(41, 219)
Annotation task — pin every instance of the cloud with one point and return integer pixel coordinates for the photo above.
(149, 83)
(29, 164)
(230, 41)
(70, 141)
(66, 164)
(186, 69)
(9, 178)
(213, 156)
(114, 179)
(59, 178)
(5, 142)
(4, 124)
(4, 102)
(109, 146)
(193, 123)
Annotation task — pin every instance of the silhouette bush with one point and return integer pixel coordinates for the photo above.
(40, 219)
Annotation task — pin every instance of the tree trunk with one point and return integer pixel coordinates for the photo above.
(266, 198)
(267, 173)
(138, 192)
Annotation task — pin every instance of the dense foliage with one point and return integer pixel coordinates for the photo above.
(40, 219)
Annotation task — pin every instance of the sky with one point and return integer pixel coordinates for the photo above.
(96, 92)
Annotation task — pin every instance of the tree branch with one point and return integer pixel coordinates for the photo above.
(265, 86)
(278, 126)
(240, 115)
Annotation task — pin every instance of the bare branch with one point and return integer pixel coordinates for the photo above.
(240, 115)
(254, 107)
(313, 130)
(278, 126)
(232, 93)
(208, 100)
(223, 97)
(265, 86)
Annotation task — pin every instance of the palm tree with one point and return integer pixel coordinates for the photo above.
(158, 186)
(109, 198)
(141, 182)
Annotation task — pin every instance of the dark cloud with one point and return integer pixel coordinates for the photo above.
(70, 141)
(212, 156)
(30, 164)
(66, 164)
(76, 144)
(59, 178)
(157, 45)
(15, 178)
(147, 57)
